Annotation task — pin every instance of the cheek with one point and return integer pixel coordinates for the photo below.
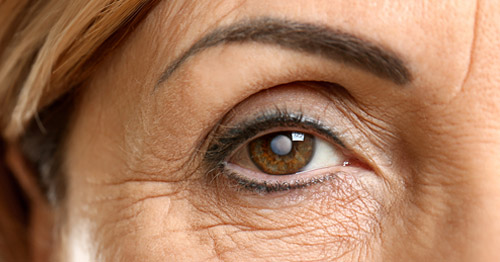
(145, 198)
(190, 222)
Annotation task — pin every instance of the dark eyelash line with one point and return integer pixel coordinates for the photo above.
(263, 187)
(232, 137)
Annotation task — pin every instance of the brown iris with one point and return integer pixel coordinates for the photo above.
(282, 153)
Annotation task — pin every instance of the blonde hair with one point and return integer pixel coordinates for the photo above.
(48, 47)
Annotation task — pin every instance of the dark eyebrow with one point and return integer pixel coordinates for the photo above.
(304, 37)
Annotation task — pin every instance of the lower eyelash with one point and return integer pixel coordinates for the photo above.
(264, 187)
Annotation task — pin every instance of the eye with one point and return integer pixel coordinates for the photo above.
(277, 151)
(287, 153)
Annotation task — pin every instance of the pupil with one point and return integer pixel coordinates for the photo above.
(281, 145)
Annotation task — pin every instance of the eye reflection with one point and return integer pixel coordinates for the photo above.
(282, 153)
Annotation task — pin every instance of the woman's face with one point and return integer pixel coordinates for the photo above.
(291, 131)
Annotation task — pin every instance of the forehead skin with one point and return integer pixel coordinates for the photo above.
(435, 142)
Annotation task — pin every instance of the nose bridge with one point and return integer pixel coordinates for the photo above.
(481, 90)
(477, 105)
(465, 164)
(455, 194)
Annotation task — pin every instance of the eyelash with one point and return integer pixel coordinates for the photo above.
(230, 138)
(265, 187)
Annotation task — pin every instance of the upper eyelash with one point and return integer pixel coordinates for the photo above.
(232, 137)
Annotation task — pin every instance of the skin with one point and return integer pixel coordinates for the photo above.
(429, 187)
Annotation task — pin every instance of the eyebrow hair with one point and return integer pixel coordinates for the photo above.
(304, 37)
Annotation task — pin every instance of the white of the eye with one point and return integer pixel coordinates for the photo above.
(325, 155)
(281, 145)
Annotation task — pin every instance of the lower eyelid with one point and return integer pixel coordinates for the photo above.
(338, 183)
(310, 175)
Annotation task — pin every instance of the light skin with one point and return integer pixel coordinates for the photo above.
(426, 183)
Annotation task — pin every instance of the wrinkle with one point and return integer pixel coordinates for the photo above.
(471, 50)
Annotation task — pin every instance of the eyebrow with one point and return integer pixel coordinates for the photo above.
(303, 37)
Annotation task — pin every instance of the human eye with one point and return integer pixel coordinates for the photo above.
(278, 150)
(284, 164)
